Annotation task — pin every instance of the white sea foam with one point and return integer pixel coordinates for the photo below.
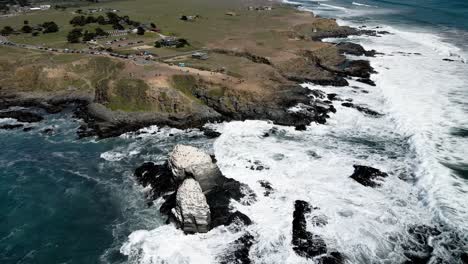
(422, 97)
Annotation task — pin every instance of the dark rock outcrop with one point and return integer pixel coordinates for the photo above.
(22, 116)
(11, 126)
(362, 109)
(219, 200)
(238, 251)
(305, 244)
(354, 49)
(366, 81)
(267, 186)
(210, 133)
(218, 191)
(367, 176)
(158, 176)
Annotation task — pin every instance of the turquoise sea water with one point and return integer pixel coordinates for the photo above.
(69, 200)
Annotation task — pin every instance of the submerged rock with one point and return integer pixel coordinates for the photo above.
(305, 244)
(367, 176)
(267, 186)
(192, 212)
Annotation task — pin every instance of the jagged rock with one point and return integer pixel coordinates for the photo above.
(362, 109)
(211, 133)
(158, 176)
(238, 218)
(367, 176)
(366, 81)
(217, 189)
(354, 49)
(238, 251)
(192, 212)
(358, 68)
(11, 126)
(267, 186)
(305, 244)
(22, 116)
(219, 200)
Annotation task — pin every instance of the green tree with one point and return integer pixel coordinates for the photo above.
(90, 20)
(26, 29)
(7, 30)
(78, 21)
(100, 32)
(101, 20)
(75, 35)
(87, 36)
(50, 27)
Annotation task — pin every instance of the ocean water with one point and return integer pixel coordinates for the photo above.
(65, 200)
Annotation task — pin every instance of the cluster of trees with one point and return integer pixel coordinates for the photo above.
(77, 35)
(4, 4)
(46, 27)
(111, 19)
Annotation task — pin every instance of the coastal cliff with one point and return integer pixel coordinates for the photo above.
(253, 72)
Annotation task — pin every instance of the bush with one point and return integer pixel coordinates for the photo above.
(50, 27)
(26, 29)
(78, 21)
(101, 20)
(7, 30)
(100, 32)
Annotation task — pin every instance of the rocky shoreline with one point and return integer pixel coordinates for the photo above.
(102, 122)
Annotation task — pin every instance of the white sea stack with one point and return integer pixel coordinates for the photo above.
(192, 212)
(187, 161)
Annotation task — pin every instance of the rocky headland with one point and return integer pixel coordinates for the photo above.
(262, 67)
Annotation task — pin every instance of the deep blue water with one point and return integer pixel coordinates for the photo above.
(60, 202)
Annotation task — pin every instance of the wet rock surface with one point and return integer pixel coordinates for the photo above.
(238, 251)
(22, 116)
(11, 126)
(368, 176)
(305, 244)
(354, 49)
(362, 109)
